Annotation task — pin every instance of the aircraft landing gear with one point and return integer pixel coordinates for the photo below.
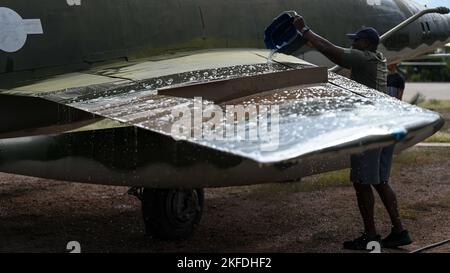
(170, 214)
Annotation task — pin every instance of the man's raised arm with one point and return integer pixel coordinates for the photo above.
(331, 51)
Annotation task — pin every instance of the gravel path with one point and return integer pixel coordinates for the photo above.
(40, 215)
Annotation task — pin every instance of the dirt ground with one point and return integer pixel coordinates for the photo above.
(317, 215)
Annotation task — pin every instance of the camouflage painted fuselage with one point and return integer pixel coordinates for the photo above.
(78, 33)
(55, 50)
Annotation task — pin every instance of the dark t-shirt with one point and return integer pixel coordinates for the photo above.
(368, 68)
(395, 82)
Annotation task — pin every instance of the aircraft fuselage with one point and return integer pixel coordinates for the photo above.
(53, 37)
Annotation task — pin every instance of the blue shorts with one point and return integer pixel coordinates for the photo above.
(372, 167)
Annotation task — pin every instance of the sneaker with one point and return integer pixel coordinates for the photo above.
(395, 239)
(360, 243)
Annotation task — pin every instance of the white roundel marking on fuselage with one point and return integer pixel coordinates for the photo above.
(74, 2)
(14, 30)
(374, 2)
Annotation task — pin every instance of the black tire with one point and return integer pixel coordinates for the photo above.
(172, 214)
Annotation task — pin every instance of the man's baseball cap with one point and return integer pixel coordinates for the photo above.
(368, 33)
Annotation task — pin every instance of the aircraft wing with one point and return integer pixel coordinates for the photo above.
(316, 112)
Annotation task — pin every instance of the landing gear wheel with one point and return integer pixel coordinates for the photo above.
(171, 214)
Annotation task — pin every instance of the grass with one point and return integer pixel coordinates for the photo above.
(326, 180)
(408, 213)
(308, 184)
(422, 156)
(439, 137)
(442, 203)
(443, 136)
(420, 207)
(411, 211)
(435, 104)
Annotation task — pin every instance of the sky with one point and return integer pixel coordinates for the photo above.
(435, 3)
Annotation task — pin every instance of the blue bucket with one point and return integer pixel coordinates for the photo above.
(282, 36)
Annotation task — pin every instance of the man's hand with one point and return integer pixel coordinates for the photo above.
(299, 22)
(331, 51)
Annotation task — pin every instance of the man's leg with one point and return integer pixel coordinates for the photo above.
(398, 236)
(364, 173)
(385, 191)
(365, 199)
(366, 204)
(389, 199)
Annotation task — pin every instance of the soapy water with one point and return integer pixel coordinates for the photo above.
(99, 94)
(270, 61)
(311, 118)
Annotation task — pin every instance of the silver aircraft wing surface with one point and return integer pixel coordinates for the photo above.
(316, 112)
(120, 123)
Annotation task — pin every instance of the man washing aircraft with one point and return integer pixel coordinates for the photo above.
(395, 82)
(371, 168)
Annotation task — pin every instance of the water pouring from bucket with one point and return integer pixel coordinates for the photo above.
(282, 36)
